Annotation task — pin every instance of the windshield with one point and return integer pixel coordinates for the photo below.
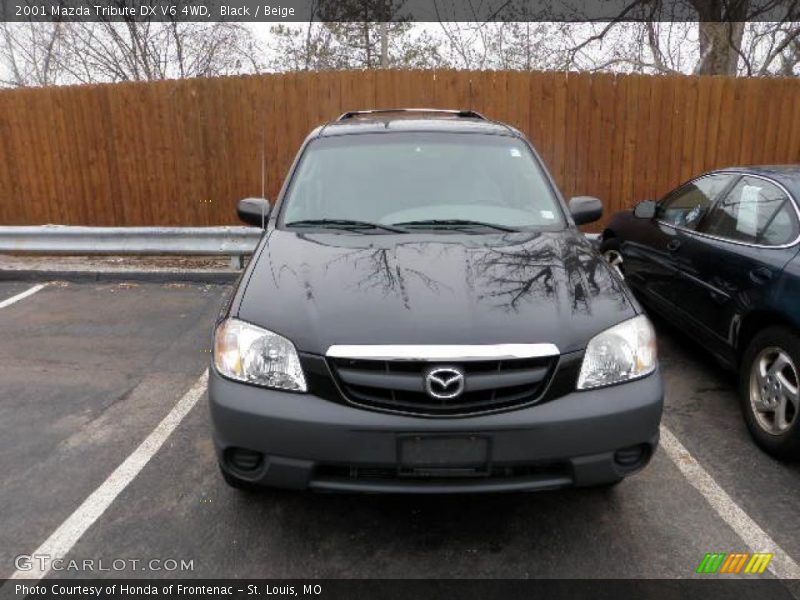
(413, 178)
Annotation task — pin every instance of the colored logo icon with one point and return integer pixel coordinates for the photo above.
(735, 562)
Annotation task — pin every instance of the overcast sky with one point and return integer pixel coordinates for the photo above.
(678, 41)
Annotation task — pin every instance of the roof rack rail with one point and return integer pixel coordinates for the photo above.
(464, 114)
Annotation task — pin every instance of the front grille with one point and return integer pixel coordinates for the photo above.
(399, 385)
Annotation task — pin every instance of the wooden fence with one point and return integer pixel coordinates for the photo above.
(183, 152)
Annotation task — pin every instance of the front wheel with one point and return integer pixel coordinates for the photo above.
(610, 249)
(769, 391)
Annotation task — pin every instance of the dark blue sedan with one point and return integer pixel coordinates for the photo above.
(720, 258)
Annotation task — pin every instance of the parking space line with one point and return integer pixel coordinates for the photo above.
(70, 531)
(782, 565)
(22, 296)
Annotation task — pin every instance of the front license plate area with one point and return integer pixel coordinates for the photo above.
(443, 456)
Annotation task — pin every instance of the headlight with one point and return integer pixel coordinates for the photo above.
(248, 353)
(623, 352)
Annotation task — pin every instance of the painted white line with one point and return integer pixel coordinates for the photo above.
(782, 565)
(22, 296)
(70, 531)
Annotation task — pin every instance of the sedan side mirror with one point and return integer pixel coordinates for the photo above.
(585, 209)
(646, 209)
(254, 211)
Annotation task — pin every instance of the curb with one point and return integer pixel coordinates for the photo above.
(41, 275)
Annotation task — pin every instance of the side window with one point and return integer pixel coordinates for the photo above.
(686, 206)
(755, 211)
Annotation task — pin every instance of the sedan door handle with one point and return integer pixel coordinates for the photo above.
(674, 245)
(760, 275)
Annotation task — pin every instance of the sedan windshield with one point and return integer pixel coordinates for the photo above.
(416, 181)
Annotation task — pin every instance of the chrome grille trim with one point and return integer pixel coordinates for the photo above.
(443, 353)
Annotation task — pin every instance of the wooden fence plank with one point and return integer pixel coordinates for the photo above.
(691, 121)
(713, 121)
(616, 148)
(602, 135)
(751, 109)
(793, 150)
(701, 125)
(652, 143)
(540, 116)
(661, 174)
(729, 129)
(643, 139)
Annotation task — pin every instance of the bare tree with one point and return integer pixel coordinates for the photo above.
(771, 48)
(29, 53)
(353, 34)
(310, 47)
(728, 37)
(146, 51)
(127, 50)
(526, 46)
(467, 41)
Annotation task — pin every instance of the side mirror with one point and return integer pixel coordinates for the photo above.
(254, 211)
(646, 209)
(585, 209)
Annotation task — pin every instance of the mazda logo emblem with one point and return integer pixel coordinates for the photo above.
(444, 383)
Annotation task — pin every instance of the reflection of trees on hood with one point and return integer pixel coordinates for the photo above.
(286, 270)
(588, 275)
(384, 273)
(533, 268)
(519, 267)
(581, 275)
(515, 272)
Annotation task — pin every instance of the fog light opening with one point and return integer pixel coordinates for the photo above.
(243, 460)
(632, 457)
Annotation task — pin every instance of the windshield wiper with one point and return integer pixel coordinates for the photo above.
(453, 224)
(344, 224)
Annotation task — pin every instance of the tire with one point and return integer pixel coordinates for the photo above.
(236, 483)
(610, 250)
(768, 378)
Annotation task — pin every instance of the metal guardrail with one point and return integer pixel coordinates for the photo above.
(68, 239)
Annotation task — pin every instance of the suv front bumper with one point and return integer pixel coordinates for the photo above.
(310, 442)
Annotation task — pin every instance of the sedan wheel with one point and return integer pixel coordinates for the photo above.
(610, 251)
(769, 390)
(774, 392)
(614, 258)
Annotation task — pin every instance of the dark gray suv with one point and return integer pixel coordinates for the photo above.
(422, 315)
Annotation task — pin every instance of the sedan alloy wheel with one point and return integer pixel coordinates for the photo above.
(774, 391)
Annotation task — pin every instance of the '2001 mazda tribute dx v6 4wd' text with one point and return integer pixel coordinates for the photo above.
(422, 315)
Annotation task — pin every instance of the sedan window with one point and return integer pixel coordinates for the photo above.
(755, 211)
(686, 206)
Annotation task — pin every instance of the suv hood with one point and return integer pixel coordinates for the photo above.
(321, 289)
